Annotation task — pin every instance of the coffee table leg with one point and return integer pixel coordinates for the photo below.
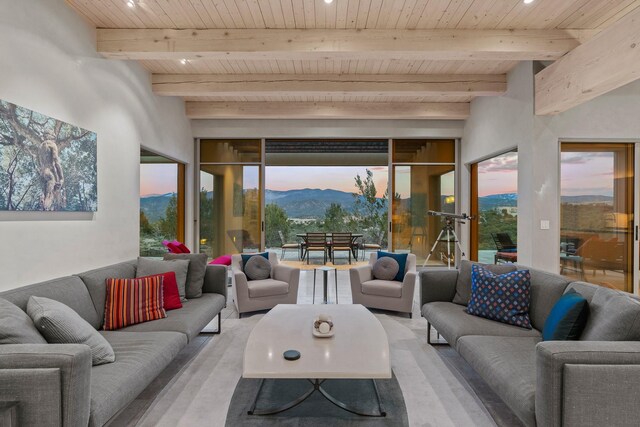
(286, 406)
(381, 412)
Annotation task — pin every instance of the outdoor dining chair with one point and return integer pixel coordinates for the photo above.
(316, 242)
(341, 242)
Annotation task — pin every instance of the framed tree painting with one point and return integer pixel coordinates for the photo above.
(45, 164)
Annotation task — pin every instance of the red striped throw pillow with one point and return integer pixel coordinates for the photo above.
(131, 301)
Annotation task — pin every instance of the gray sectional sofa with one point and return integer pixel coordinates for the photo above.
(550, 383)
(55, 384)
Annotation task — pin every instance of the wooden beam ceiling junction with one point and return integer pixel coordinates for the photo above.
(334, 44)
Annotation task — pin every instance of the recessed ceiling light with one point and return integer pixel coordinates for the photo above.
(183, 61)
(528, 1)
(132, 3)
(328, 1)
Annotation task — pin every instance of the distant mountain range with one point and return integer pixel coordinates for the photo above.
(313, 202)
(309, 202)
(155, 205)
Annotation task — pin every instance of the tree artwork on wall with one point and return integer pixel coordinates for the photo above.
(45, 164)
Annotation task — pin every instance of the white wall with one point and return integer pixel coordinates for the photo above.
(499, 124)
(48, 63)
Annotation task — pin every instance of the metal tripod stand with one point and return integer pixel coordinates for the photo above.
(449, 230)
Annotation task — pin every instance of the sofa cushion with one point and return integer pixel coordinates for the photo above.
(16, 327)
(257, 268)
(70, 290)
(451, 321)
(463, 284)
(508, 365)
(96, 283)
(504, 298)
(267, 288)
(59, 324)
(140, 357)
(382, 288)
(133, 301)
(150, 267)
(567, 318)
(194, 315)
(195, 274)
(546, 290)
(385, 268)
(613, 316)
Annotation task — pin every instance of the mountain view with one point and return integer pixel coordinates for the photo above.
(154, 206)
(312, 203)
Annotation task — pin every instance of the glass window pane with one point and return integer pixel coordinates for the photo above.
(158, 206)
(423, 151)
(497, 209)
(230, 151)
(417, 190)
(229, 209)
(596, 234)
(303, 199)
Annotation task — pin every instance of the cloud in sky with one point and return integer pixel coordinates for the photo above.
(504, 163)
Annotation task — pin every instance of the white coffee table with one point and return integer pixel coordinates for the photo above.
(358, 350)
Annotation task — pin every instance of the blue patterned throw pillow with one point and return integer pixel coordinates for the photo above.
(504, 298)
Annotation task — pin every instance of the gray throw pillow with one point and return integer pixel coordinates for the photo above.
(257, 268)
(613, 316)
(463, 285)
(385, 268)
(195, 275)
(59, 324)
(16, 327)
(151, 267)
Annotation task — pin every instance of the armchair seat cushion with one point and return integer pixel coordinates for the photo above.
(267, 288)
(382, 288)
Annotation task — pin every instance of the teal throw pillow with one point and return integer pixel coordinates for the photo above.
(401, 259)
(567, 318)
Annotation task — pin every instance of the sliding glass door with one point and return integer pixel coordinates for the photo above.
(423, 175)
(597, 206)
(230, 204)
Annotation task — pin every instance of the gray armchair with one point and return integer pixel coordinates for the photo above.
(384, 294)
(254, 295)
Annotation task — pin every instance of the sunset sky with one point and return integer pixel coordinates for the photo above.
(323, 177)
(160, 178)
(581, 174)
(498, 175)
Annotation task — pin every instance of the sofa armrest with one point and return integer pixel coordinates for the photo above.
(74, 364)
(587, 383)
(287, 274)
(215, 280)
(437, 285)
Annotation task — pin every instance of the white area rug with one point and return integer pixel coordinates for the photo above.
(434, 395)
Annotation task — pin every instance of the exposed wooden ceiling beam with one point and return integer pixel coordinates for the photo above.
(608, 61)
(327, 110)
(278, 44)
(194, 85)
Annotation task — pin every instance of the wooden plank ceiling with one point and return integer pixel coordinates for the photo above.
(469, 41)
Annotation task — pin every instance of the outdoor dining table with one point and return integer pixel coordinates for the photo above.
(354, 237)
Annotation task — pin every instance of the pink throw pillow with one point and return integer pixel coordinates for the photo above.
(222, 260)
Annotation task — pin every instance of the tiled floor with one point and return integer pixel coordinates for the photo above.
(500, 413)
